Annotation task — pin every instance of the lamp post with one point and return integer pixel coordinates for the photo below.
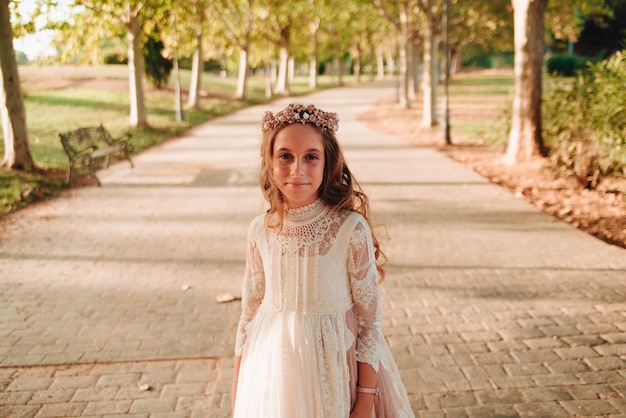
(446, 39)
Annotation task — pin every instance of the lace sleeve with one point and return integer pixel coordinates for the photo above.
(365, 294)
(253, 291)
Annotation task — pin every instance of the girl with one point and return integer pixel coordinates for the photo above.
(309, 343)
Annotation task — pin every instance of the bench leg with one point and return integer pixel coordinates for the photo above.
(68, 175)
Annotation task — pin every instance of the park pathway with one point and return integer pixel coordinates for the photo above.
(492, 309)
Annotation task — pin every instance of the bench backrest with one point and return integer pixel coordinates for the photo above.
(81, 138)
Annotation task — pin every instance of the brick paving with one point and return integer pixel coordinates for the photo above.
(492, 309)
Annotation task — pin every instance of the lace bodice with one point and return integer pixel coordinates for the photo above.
(320, 263)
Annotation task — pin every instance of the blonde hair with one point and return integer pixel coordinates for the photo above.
(339, 189)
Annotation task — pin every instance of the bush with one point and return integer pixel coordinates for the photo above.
(585, 122)
(116, 58)
(157, 67)
(565, 65)
(497, 60)
(210, 66)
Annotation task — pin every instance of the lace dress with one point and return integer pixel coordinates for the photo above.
(310, 311)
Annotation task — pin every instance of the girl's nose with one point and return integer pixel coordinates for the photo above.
(298, 166)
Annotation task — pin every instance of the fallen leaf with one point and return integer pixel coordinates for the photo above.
(226, 297)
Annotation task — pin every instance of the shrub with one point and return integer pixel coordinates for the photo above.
(565, 65)
(157, 67)
(116, 58)
(585, 122)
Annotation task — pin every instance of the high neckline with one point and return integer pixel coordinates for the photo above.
(305, 214)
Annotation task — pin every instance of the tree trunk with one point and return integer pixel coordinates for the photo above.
(291, 69)
(415, 66)
(429, 117)
(435, 78)
(138, 114)
(16, 149)
(380, 64)
(525, 140)
(391, 64)
(404, 48)
(242, 79)
(178, 99)
(313, 71)
(313, 28)
(7, 130)
(267, 76)
(197, 69)
(455, 61)
(281, 86)
(357, 63)
(339, 69)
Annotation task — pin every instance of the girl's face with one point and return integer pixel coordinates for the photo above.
(298, 164)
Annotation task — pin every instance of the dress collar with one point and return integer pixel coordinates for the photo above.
(305, 214)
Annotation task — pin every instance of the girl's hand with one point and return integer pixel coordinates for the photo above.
(363, 407)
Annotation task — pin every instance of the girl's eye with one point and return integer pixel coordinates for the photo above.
(284, 156)
(312, 157)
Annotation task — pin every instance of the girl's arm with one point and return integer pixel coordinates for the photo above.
(253, 292)
(233, 389)
(366, 297)
(365, 401)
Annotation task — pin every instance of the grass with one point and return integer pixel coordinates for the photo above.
(478, 103)
(60, 99)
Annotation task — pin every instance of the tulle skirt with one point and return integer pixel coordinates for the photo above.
(303, 365)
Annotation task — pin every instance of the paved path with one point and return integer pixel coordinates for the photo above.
(492, 309)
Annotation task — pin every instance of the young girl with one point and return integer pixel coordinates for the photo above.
(309, 343)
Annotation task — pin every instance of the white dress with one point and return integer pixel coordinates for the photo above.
(310, 311)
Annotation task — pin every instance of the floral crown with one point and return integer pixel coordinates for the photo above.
(300, 113)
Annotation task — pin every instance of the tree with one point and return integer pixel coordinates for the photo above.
(138, 113)
(525, 136)
(525, 140)
(404, 18)
(197, 20)
(130, 15)
(486, 26)
(236, 19)
(430, 77)
(17, 153)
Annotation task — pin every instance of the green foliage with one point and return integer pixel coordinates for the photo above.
(157, 67)
(21, 58)
(565, 65)
(210, 66)
(17, 189)
(476, 59)
(585, 122)
(115, 59)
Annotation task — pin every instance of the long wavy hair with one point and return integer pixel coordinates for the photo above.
(339, 189)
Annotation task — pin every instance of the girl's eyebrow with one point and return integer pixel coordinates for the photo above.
(309, 150)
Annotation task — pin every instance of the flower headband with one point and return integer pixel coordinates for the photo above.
(299, 113)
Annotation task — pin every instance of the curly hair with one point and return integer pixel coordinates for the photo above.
(339, 189)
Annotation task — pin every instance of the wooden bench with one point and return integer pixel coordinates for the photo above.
(90, 148)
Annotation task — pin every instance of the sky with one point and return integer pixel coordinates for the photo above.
(36, 45)
(39, 43)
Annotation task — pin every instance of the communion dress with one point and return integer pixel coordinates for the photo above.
(310, 311)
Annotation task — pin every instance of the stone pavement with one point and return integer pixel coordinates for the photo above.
(492, 309)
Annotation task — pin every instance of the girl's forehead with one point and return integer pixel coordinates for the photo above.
(299, 136)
